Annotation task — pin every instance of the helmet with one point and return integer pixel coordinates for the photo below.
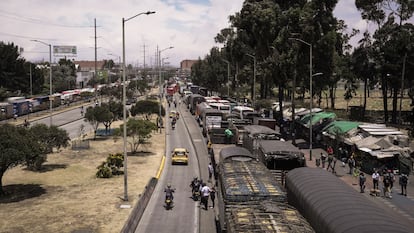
(168, 185)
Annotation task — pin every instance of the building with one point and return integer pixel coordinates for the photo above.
(185, 67)
(85, 71)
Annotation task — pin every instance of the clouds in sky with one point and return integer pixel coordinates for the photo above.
(188, 25)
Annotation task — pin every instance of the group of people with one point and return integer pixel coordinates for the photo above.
(205, 192)
(388, 177)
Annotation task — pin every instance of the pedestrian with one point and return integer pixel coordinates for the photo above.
(318, 162)
(209, 147)
(362, 180)
(323, 159)
(386, 183)
(403, 182)
(330, 160)
(375, 179)
(333, 166)
(351, 164)
(205, 194)
(210, 172)
(392, 179)
(329, 150)
(212, 196)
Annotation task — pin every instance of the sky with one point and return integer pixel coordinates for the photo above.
(189, 26)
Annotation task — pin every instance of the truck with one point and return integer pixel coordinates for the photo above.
(280, 155)
(250, 200)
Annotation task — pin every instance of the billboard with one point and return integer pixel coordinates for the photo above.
(64, 51)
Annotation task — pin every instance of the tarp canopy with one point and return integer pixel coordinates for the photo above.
(317, 117)
(340, 127)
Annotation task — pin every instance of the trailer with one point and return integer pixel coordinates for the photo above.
(280, 155)
(250, 200)
(332, 206)
(255, 133)
(195, 99)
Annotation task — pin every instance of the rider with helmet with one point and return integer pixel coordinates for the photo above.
(169, 192)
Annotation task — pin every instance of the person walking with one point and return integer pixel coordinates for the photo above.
(329, 150)
(403, 183)
(387, 184)
(212, 196)
(362, 180)
(205, 194)
(375, 179)
(323, 159)
(351, 164)
(210, 172)
(330, 160)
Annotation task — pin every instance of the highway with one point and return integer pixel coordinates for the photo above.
(184, 217)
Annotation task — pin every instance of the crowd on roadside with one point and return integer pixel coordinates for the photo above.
(385, 176)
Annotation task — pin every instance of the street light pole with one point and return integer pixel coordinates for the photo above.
(124, 102)
(254, 79)
(159, 76)
(310, 92)
(228, 77)
(50, 79)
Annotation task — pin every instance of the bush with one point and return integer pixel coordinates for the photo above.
(104, 171)
(111, 166)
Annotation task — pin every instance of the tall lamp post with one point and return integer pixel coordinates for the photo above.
(310, 92)
(228, 77)
(254, 78)
(159, 75)
(124, 102)
(50, 78)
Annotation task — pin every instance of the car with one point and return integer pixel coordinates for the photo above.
(173, 114)
(179, 156)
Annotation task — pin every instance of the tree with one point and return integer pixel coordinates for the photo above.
(15, 72)
(64, 76)
(16, 147)
(139, 131)
(47, 139)
(146, 108)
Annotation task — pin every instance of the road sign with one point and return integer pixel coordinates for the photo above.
(64, 50)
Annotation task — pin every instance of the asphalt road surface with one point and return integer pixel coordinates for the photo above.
(184, 216)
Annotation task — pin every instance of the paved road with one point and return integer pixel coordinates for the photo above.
(184, 215)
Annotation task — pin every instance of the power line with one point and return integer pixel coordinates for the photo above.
(26, 37)
(25, 19)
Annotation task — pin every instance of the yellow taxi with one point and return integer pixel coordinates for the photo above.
(173, 114)
(179, 156)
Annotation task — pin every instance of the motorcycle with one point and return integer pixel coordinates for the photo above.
(195, 189)
(196, 195)
(168, 203)
(173, 124)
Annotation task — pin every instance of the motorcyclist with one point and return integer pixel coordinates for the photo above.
(173, 122)
(195, 185)
(169, 192)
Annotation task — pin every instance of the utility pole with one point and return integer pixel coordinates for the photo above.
(96, 51)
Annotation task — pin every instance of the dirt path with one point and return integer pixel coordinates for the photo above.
(67, 197)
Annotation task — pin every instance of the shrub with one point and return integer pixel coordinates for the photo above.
(104, 171)
(111, 166)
